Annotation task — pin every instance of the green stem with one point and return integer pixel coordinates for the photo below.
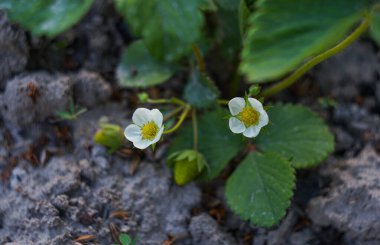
(199, 58)
(223, 102)
(167, 101)
(180, 121)
(173, 113)
(195, 129)
(318, 59)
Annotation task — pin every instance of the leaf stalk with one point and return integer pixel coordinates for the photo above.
(318, 59)
(180, 121)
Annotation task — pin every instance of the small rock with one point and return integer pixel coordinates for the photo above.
(90, 89)
(62, 184)
(35, 96)
(206, 231)
(61, 202)
(48, 213)
(17, 176)
(352, 204)
(26, 96)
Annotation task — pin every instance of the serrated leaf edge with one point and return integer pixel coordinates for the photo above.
(316, 160)
(288, 202)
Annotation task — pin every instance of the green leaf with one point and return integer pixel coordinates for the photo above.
(215, 141)
(168, 27)
(298, 134)
(138, 68)
(375, 24)
(46, 17)
(260, 188)
(208, 5)
(250, 4)
(228, 4)
(254, 90)
(200, 91)
(65, 115)
(284, 33)
(244, 13)
(125, 239)
(189, 156)
(228, 32)
(72, 113)
(246, 7)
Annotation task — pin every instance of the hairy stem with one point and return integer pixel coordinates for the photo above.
(318, 59)
(223, 102)
(180, 121)
(167, 101)
(199, 58)
(195, 129)
(173, 113)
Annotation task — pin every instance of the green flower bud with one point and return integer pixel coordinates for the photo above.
(143, 97)
(254, 90)
(187, 165)
(110, 136)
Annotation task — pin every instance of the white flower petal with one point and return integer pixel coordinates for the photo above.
(158, 135)
(236, 105)
(141, 116)
(142, 144)
(132, 133)
(252, 131)
(236, 125)
(263, 120)
(157, 117)
(255, 104)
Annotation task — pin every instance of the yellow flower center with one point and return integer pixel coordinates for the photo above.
(249, 116)
(149, 130)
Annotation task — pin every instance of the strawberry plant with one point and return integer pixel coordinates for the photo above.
(266, 46)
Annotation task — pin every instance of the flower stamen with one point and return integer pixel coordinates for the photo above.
(249, 116)
(149, 130)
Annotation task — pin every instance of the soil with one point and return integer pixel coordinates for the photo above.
(59, 187)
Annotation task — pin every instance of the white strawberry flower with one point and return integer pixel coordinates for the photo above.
(248, 116)
(146, 129)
